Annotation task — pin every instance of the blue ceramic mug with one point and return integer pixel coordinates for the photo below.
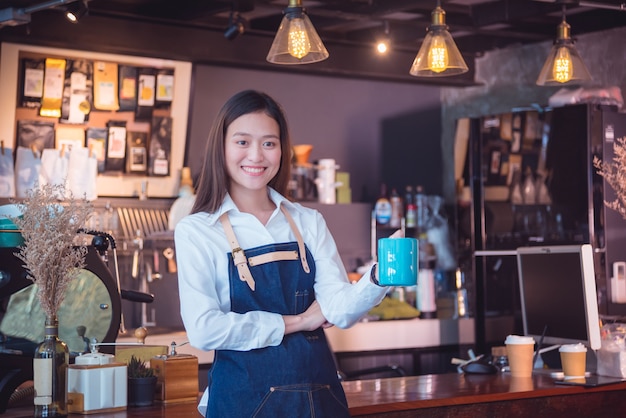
(398, 261)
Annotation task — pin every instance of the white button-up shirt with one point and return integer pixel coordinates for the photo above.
(201, 255)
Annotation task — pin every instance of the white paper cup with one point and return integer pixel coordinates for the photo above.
(573, 360)
(520, 351)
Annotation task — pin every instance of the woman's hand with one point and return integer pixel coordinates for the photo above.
(398, 234)
(309, 320)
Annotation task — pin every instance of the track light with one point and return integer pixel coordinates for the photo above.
(236, 26)
(76, 11)
(438, 55)
(296, 40)
(384, 43)
(564, 65)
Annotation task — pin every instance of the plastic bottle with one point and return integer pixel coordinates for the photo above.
(396, 209)
(382, 208)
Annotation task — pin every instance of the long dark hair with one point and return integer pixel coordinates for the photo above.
(214, 180)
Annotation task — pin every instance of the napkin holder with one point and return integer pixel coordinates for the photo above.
(96, 383)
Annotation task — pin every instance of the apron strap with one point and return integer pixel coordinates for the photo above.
(241, 261)
(296, 232)
(239, 257)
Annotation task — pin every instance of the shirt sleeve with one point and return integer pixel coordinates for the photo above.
(342, 303)
(204, 296)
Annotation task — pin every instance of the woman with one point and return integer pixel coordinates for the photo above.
(260, 276)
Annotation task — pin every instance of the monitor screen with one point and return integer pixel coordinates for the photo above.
(558, 293)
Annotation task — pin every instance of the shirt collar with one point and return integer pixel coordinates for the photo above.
(228, 204)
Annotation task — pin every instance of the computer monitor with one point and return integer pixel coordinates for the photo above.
(558, 293)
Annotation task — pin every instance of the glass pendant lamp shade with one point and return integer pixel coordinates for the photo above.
(296, 41)
(564, 65)
(438, 56)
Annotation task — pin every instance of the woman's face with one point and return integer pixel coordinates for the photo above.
(252, 151)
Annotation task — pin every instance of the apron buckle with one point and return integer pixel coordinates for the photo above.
(239, 257)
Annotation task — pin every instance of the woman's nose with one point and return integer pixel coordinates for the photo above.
(255, 153)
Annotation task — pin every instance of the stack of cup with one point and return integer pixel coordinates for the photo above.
(520, 351)
(573, 360)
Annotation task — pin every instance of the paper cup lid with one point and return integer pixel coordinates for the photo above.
(519, 339)
(573, 348)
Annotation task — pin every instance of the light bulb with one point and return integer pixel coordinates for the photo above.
(438, 55)
(299, 45)
(381, 47)
(563, 68)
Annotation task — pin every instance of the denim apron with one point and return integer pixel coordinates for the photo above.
(297, 378)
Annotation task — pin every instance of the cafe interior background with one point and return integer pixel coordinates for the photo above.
(379, 124)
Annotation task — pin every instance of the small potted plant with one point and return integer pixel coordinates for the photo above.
(141, 383)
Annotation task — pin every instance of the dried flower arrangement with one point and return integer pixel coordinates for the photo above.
(49, 252)
(615, 175)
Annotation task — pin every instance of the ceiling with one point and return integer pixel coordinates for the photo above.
(478, 26)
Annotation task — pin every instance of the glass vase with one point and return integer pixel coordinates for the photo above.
(50, 365)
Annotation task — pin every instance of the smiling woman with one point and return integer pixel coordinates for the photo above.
(263, 274)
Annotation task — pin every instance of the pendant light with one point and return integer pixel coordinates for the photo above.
(438, 55)
(383, 44)
(296, 41)
(564, 65)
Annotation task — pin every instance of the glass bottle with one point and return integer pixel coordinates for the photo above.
(438, 234)
(50, 364)
(410, 210)
(382, 208)
(396, 209)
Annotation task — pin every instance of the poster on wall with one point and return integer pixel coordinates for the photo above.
(116, 146)
(160, 146)
(137, 161)
(128, 88)
(164, 88)
(32, 76)
(77, 93)
(105, 86)
(146, 86)
(69, 137)
(54, 79)
(26, 83)
(35, 134)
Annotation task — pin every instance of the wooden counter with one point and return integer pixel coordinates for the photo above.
(445, 395)
(457, 395)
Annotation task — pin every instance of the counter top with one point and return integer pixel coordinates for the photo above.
(447, 395)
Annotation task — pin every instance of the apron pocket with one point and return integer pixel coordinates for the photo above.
(302, 301)
(305, 400)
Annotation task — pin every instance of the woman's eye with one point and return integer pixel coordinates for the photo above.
(270, 144)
